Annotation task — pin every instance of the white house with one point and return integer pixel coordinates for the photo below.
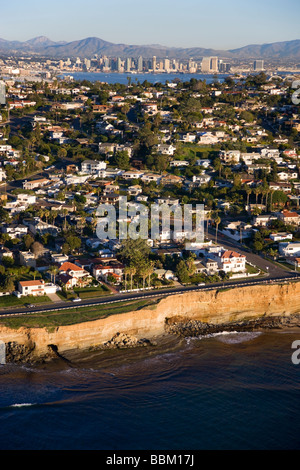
(289, 249)
(165, 149)
(35, 184)
(92, 166)
(230, 156)
(280, 236)
(15, 231)
(203, 162)
(36, 288)
(179, 163)
(2, 175)
(231, 261)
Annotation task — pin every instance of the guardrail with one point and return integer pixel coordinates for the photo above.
(161, 294)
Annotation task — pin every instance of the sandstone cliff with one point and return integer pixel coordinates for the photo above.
(224, 307)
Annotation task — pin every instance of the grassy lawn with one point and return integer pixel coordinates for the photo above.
(190, 150)
(251, 269)
(51, 320)
(13, 301)
(85, 293)
(91, 292)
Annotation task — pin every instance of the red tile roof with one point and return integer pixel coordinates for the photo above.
(31, 283)
(67, 266)
(232, 254)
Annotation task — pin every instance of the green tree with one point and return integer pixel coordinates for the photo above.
(182, 272)
(134, 252)
(28, 240)
(73, 242)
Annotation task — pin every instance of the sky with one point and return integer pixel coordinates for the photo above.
(219, 24)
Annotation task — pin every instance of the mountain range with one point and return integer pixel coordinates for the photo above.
(42, 46)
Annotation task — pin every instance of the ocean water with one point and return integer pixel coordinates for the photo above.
(228, 391)
(112, 78)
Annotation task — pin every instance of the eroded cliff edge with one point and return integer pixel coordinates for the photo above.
(186, 314)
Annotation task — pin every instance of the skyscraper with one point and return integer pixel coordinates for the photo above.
(154, 63)
(210, 64)
(119, 65)
(167, 65)
(140, 64)
(2, 93)
(128, 64)
(258, 65)
(205, 66)
(214, 64)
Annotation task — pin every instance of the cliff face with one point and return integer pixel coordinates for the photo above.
(211, 307)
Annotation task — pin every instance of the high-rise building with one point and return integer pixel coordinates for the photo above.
(205, 66)
(128, 64)
(214, 64)
(140, 64)
(258, 65)
(154, 63)
(167, 65)
(192, 66)
(210, 64)
(175, 64)
(2, 93)
(87, 63)
(224, 67)
(119, 65)
(106, 62)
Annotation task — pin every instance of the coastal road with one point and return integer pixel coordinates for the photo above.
(152, 294)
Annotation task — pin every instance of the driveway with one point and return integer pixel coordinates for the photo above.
(54, 298)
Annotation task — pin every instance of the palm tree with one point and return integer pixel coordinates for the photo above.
(54, 214)
(248, 192)
(131, 272)
(208, 219)
(53, 270)
(257, 192)
(40, 213)
(149, 272)
(143, 271)
(271, 199)
(217, 222)
(126, 273)
(47, 215)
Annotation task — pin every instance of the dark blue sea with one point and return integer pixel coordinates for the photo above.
(112, 78)
(230, 391)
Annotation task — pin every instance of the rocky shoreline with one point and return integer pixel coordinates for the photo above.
(194, 328)
(26, 354)
(192, 314)
(21, 354)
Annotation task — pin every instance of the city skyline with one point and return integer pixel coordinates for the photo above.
(154, 23)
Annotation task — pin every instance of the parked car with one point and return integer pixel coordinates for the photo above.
(78, 299)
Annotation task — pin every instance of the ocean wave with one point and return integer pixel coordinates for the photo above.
(21, 405)
(229, 337)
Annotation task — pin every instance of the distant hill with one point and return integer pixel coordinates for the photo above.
(90, 46)
(278, 50)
